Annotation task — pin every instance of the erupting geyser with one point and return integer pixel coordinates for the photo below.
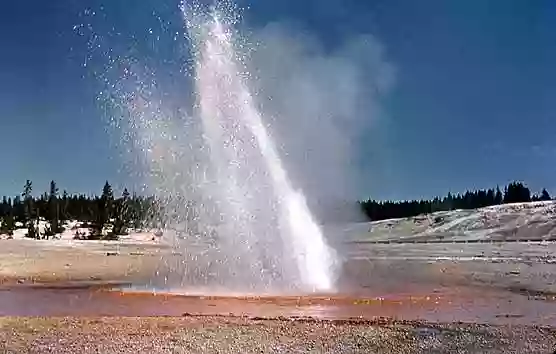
(245, 228)
(251, 172)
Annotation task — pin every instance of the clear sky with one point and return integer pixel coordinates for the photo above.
(474, 101)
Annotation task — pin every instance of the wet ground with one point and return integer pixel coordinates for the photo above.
(495, 284)
(437, 305)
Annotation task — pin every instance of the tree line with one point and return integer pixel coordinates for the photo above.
(514, 192)
(97, 213)
(108, 217)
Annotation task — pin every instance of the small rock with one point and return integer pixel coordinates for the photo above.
(509, 315)
(426, 332)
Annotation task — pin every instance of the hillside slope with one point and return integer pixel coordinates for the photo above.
(511, 222)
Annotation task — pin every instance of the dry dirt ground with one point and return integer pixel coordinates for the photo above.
(50, 261)
(238, 335)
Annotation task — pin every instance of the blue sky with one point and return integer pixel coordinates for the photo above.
(473, 105)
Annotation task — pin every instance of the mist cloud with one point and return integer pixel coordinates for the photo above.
(321, 104)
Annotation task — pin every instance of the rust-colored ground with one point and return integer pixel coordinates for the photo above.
(99, 299)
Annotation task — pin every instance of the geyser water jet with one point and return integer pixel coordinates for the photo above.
(243, 149)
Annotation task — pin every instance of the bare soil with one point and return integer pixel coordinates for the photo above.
(241, 335)
(32, 261)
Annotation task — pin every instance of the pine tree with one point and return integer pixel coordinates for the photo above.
(137, 212)
(545, 195)
(507, 194)
(450, 202)
(7, 226)
(18, 208)
(63, 207)
(30, 213)
(4, 207)
(121, 215)
(517, 193)
(126, 212)
(490, 197)
(96, 219)
(53, 212)
(498, 198)
(102, 213)
(107, 199)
